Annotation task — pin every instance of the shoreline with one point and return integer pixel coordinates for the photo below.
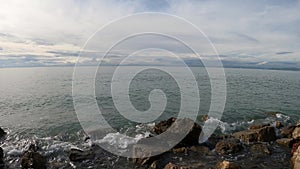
(259, 146)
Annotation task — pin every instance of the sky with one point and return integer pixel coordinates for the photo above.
(52, 32)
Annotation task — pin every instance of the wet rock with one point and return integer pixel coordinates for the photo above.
(227, 165)
(145, 154)
(288, 142)
(296, 133)
(179, 127)
(2, 133)
(296, 158)
(287, 131)
(259, 150)
(256, 134)
(33, 160)
(77, 155)
(229, 146)
(279, 125)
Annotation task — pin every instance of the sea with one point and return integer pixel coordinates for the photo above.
(37, 104)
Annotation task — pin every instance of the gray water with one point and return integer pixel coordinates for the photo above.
(37, 102)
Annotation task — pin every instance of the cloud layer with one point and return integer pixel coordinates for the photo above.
(52, 32)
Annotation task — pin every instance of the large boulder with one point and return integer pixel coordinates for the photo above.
(229, 146)
(256, 134)
(179, 127)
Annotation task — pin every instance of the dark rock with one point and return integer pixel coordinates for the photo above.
(1, 158)
(256, 134)
(279, 125)
(288, 142)
(200, 150)
(33, 160)
(287, 131)
(227, 165)
(179, 127)
(145, 154)
(77, 155)
(259, 150)
(173, 166)
(229, 146)
(2, 133)
(246, 136)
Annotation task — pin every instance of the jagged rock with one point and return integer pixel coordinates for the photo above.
(2, 133)
(227, 165)
(33, 160)
(259, 150)
(79, 155)
(146, 154)
(179, 127)
(229, 146)
(287, 131)
(256, 134)
(288, 142)
(296, 133)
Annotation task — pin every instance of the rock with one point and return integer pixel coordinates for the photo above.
(180, 150)
(145, 154)
(227, 165)
(200, 149)
(77, 155)
(229, 146)
(33, 160)
(1, 158)
(296, 133)
(295, 147)
(279, 125)
(246, 136)
(296, 158)
(259, 150)
(288, 142)
(179, 127)
(173, 166)
(256, 134)
(2, 133)
(258, 126)
(287, 131)
(205, 117)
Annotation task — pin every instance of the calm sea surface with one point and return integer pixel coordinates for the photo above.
(37, 103)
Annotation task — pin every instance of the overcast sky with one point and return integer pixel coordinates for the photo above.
(52, 32)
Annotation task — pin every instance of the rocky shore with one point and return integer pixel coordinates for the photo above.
(261, 146)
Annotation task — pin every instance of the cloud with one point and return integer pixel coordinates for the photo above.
(54, 31)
